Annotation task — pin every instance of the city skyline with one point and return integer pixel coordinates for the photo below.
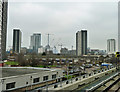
(53, 18)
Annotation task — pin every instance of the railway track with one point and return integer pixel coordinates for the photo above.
(113, 85)
(97, 83)
(116, 87)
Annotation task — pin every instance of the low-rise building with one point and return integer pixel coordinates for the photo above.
(97, 52)
(41, 50)
(65, 51)
(72, 52)
(19, 79)
(23, 50)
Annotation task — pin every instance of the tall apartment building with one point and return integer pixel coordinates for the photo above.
(3, 28)
(81, 43)
(111, 46)
(17, 40)
(35, 42)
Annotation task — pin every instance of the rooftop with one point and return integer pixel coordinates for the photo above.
(8, 72)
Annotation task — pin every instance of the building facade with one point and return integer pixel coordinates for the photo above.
(118, 26)
(81, 42)
(41, 50)
(22, 79)
(16, 40)
(35, 42)
(111, 46)
(0, 29)
(23, 50)
(64, 51)
(3, 28)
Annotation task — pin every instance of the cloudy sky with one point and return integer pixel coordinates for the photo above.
(63, 20)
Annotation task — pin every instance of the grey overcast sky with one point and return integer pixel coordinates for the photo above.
(63, 20)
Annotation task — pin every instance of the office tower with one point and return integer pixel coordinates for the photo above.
(111, 46)
(35, 42)
(16, 40)
(3, 28)
(81, 42)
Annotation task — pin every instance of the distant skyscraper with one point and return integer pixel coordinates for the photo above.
(16, 40)
(35, 42)
(3, 28)
(111, 46)
(81, 42)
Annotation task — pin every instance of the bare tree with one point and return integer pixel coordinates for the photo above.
(21, 60)
(33, 60)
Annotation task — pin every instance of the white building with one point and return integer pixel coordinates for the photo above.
(41, 50)
(111, 46)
